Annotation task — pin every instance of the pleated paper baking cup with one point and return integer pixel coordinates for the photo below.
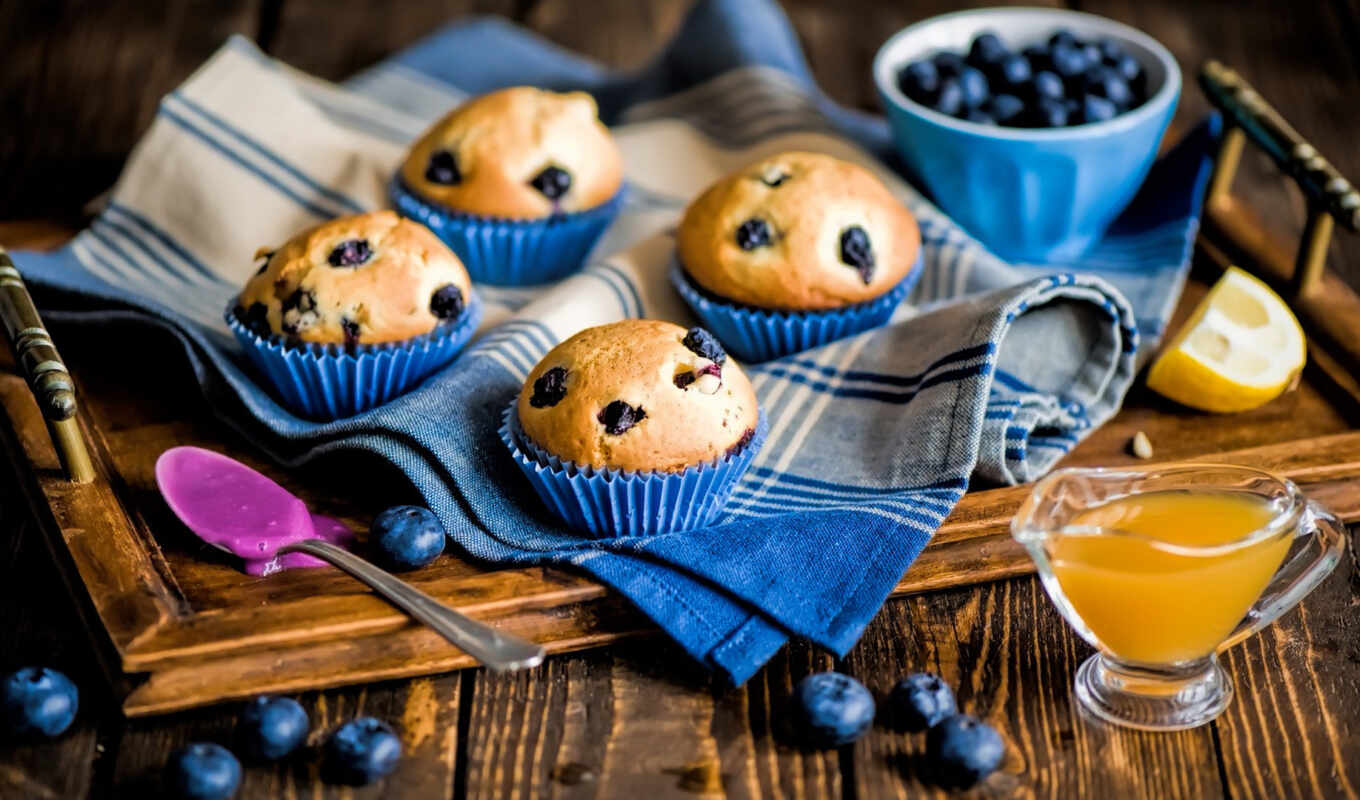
(328, 381)
(607, 503)
(756, 334)
(509, 252)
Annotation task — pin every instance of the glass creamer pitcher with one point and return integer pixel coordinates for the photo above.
(1161, 570)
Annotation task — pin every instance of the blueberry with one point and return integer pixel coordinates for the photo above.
(1097, 109)
(1046, 84)
(550, 388)
(919, 80)
(271, 728)
(703, 344)
(1071, 65)
(1110, 50)
(618, 417)
(986, 50)
(1093, 54)
(1105, 82)
(1039, 57)
(299, 312)
(950, 99)
(835, 709)
(1046, 113)
(408, 537)
(361, 751)
(443, 169)
(974, 86)
(858, 252)
(753, 233)
(351, 330)
(964, 750)
(1062, 37)
(1014, 71)
(552, 182)
(1006, 109)
(350, 253)
(256, 319)
(948, 64)
(447, 301)
(921, 700)
(1128, 68)
(979, 116)
(38, 701)
(203, 771)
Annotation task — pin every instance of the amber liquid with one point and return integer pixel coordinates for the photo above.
(1147, 604)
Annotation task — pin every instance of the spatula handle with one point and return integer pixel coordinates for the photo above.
(496, 650)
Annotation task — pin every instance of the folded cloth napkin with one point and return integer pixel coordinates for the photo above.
(991, 370)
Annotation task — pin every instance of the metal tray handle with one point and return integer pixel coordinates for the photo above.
(46, 373)
(1331, 198)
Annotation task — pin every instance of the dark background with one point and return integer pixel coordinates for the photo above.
(79, 82)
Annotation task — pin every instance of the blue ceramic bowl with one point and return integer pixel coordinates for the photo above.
(1038, 195)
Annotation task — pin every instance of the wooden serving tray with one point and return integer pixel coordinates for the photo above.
(177, 625)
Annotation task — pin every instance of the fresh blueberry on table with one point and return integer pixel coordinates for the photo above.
(975, 87)
(1097, 109)
(361, 751)
(38, 701)
(986, 50)
(271, 728)
(1007, 109)
(950, 99)
(203, 771)
(919, 80)
(922, 700)
(963, 750)
(408, 537)
(835, 709)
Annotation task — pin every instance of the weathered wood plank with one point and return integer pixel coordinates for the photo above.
(1011, 660)
(424, 713)
(642, 720)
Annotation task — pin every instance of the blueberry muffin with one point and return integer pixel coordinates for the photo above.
(518, 153)
(638, 395)
(353, 312)
(798, 232)
(366, 279)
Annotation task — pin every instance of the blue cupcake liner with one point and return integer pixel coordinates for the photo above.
(609, 503)
(329, 381)
(756, 334)
(510, 252)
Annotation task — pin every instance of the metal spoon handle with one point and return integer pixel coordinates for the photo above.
(494, 649)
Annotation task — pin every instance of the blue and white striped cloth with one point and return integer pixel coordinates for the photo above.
(991, 372)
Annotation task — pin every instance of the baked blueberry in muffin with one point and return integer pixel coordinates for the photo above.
(798, 232)
(638, 395)
(367, 279)
(517, 153)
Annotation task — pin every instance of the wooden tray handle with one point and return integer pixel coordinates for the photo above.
(1331, 198)
(42, 366)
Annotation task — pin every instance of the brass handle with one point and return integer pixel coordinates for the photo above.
(46, 373)
(1330, 196)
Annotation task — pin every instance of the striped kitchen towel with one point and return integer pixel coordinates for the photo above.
(991, 372)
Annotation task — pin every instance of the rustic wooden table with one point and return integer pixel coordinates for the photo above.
(638, 720)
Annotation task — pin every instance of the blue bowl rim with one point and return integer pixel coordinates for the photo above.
(885, 78)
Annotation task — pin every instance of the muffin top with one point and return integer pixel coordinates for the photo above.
(640, 395)
(798, 231)
(519, 153)
(363, 279)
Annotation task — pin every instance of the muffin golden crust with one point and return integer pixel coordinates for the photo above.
(798, 231)
(641, 395)
(518, 153)
(362, 279)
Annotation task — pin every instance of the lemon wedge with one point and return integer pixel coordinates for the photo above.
(1240, 349)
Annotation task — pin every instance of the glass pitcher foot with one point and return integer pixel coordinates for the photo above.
(1153, 700)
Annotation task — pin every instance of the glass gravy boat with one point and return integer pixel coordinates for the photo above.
(1161, 570)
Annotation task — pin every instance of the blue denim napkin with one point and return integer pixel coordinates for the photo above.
(991, 371)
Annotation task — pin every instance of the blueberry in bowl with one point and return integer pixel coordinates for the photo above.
(1045, 167)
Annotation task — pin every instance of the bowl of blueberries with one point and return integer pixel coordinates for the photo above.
(1033, 128)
